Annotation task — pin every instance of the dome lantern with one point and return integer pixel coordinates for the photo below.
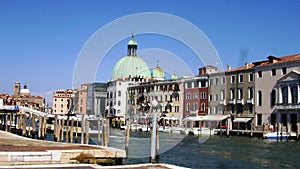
(132, 47)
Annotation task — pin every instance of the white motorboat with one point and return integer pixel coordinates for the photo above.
(280, 136)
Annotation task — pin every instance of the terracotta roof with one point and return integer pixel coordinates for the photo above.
(272, 60)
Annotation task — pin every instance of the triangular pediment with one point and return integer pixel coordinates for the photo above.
(291, 76)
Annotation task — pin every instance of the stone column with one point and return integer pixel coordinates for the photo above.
(298, 86)
(279, 95)
(278, 121)
(289, 94)
(289, 125)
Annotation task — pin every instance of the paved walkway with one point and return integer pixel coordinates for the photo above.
(14, 143)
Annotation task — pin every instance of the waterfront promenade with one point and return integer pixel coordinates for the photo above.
(17, 150)
(22, 152)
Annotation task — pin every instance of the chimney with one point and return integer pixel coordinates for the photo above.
(246, 65)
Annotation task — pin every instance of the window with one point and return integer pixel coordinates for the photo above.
(217, 81)
(210, 82)
(55, 100)
(176, 109)
(259, 73)
(188, 96)
(232, 79)
(203, 95)
(232, 94)
(285, 95)
(283, 70)
(54, 105)
(61, 99)
(119, 103)
(203, 84)
(195, 106)
(195, 95)
(251, 77)
(259, 98)
(119, 93)
(188, 107)
(240, 93)
(259, 119)
(273, 72)
(250, 93)
(216, 97)
(202, 106)
(216, 110)
(210, 97)
(273, 97)
(61, 105)
(223, 80)
(241, 78)
(222, 95)
(294, 94)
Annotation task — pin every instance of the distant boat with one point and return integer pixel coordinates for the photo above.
(284, 136)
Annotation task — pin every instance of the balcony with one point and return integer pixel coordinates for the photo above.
(240, 101)
(287, 106)
(232, 101)
(223, 102)
(250, 101)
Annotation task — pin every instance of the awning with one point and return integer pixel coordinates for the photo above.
(241, 120)
(216, 117)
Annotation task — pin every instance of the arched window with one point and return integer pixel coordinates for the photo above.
(202, 106)
(188, 107)
(285, 95)
(259, 98)
(119, 93)
(273, 97)
(195, 105)
(294, 94)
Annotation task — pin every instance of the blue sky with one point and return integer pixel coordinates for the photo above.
(41, 40)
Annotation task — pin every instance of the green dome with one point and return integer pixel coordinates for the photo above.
(130, 66)
(158, 73)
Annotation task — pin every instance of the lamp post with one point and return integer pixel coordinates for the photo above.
(153, 132)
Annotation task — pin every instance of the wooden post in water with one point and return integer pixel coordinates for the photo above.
(228, 125)
(24, 125)
(103, 132)
(153, 139)
(157, 144)
(86, 136)
(62, 129)
(99, 134)
(58, 130)
(33, 126)
(40, 127)
(127, 137)
(45, 127)
(71, 130)
(55, 128)
(5, 121)
(107, 132)
(82, 128)
(67, 130)
(11, 120)
(29, 118)
(20, 119)
(297, 131)
(76, 134)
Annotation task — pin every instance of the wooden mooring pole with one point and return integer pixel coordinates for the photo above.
(127, 137)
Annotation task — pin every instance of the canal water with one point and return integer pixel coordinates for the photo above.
(217, 152)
